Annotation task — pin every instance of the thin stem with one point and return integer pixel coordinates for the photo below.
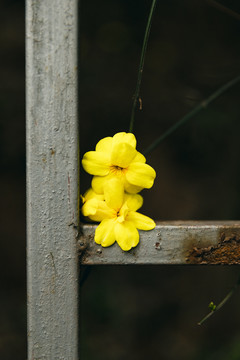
(202, 106)
(141, 64)
(218, 307)
(224, 9)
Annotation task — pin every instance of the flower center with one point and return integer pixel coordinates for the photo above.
(117, 170)
(121, 214)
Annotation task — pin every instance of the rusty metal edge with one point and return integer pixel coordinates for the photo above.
(171, 242)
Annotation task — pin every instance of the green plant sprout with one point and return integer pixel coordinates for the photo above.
(214, 308)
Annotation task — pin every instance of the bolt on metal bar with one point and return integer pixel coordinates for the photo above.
(52, 178)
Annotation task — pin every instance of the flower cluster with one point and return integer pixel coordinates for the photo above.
(119, 173)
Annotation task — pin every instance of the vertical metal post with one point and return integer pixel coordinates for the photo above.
(52, 178)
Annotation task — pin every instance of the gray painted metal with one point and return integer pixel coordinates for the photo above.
(168, 243)
(52, 178)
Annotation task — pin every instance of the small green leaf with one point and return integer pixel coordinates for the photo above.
(212, 306)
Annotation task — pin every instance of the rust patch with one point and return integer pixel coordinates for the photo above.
(83, 246)
(226, 252)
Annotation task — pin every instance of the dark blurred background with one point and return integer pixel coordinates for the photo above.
(194, 48)
(12, 182)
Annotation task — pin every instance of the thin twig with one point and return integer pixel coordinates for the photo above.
(220, 305)
(223, 9)
(202, 106)
(140, 70)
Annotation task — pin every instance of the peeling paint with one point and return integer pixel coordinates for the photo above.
(227, 251)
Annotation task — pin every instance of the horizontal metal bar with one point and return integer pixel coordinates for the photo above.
(178, 242)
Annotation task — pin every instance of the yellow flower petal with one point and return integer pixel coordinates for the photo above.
(91, 194)
(113, 193)
(123, 137)
(123, 213)
(122, 154)
(104, 233)
(126, 235)
(96, 163)
(141, 175)
(90, 207)
(131, 189)
(133, 201)
(98, 183)
(105, 145)
(139, 158)
(97, 210)
(141, 221)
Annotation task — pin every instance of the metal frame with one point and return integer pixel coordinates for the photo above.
(52, 178)
(53, 194)
(178, 242)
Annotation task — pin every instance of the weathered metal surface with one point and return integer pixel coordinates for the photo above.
(226, 252)
(192, 242)
(52, 178)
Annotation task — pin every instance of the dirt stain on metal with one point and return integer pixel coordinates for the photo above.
(83, 246)
(225, 252)
(69, 189)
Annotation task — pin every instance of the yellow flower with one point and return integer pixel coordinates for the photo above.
(118, 215)
(117, 157)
